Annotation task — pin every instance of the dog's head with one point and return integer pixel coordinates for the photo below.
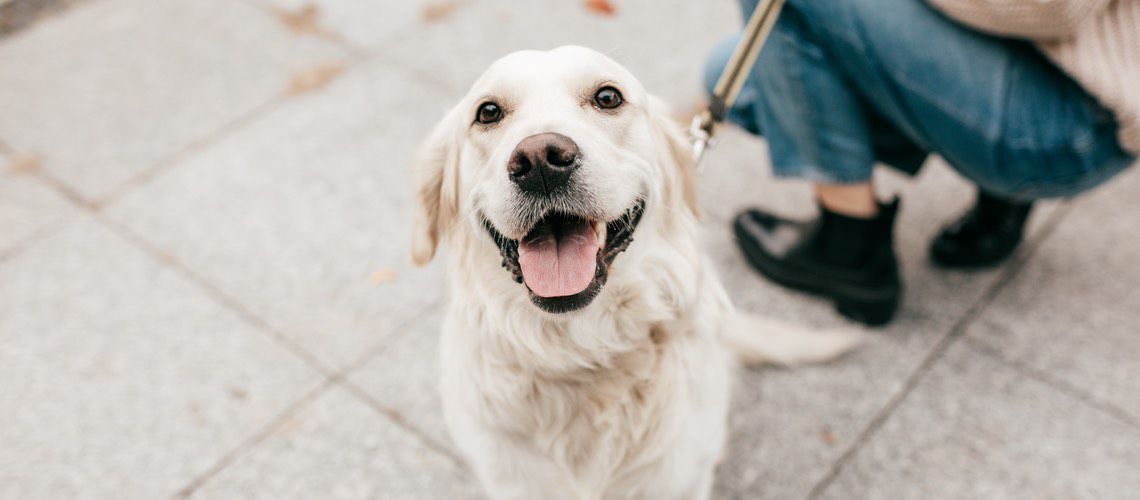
(555, 157)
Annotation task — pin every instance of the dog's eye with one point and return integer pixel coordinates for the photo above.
(489, 112)
(608, 98)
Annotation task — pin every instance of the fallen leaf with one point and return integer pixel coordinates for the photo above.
(828, 437)
(603, 7)
(314, 78)
(301, 21)
(383, 275)
(436, 11)
(24, 163)
(166, 257)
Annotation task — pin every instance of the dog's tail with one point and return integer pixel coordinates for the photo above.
(757, 340)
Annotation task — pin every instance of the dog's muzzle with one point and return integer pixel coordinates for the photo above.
(564, 259)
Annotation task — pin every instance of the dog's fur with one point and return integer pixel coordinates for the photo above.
(623, 398)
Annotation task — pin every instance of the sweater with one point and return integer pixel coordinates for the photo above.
(1097, 42)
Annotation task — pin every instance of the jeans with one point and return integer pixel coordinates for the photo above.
(841, 84)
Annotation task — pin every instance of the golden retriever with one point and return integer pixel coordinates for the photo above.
(583, 351)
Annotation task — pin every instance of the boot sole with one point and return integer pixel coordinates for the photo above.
(972, 264)
(871, 306)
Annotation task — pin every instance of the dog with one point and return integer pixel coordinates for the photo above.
(588, 347)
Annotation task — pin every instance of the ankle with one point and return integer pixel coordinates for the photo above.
(854, 200)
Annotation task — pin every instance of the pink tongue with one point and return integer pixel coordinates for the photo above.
(559, 266)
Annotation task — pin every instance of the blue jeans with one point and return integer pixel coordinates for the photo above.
(841, 84)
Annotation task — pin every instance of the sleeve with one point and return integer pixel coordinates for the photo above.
(1037, 20)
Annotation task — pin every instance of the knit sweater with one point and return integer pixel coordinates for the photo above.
(1096, 41)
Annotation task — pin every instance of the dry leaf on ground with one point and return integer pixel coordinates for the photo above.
(383, 275)
(23, 164)
(436, 11)
(601, 6)
(314, 78)
(828, 437)
(166, 257)
(301, 21)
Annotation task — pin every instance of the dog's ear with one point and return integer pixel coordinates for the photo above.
(436, 174)
(676, 155)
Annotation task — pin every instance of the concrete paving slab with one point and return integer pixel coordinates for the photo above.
(304, 216)
(404, 377)
(975, 428)
(109, 88)
(789, 426)
(663, 42)
(737, 174)
(1071, 313)
(364, 24)
(121, 379)
(336, 448)
(27, 207)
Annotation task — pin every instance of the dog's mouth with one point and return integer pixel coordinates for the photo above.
(564, 259)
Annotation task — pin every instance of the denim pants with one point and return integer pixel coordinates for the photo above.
(841, 84)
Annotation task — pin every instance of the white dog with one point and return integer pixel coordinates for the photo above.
(583, 350)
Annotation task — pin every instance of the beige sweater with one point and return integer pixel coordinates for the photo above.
(1095, 41)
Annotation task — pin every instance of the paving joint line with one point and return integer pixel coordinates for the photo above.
(248, 119)
(1089, 399)
(30, 240)
(385, 343)
(81, 202)
(330, 377)
(356, 58)
(406, 31)
(939, 351)
(365, 54)
(218, 296)
(256, 439)
(398, 420)
(50, 182)
(337, 379)
(328, 35)
(156, 169)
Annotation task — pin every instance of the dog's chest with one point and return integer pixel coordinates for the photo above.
(593, 422)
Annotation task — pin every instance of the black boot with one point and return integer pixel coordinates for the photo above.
(987, 234)
(849, 260)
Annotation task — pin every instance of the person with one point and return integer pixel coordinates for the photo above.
(1027, 99)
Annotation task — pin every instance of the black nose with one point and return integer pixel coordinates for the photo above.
(542, 164)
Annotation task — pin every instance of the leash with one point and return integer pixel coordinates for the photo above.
(732, 78)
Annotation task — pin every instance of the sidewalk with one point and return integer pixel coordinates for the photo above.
(205, 287)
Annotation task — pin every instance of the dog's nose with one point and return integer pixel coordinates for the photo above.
(542, 164)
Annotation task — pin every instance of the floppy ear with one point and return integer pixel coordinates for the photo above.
(436, 174)
(680, 168)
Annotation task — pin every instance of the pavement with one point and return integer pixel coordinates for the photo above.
(205, 287)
